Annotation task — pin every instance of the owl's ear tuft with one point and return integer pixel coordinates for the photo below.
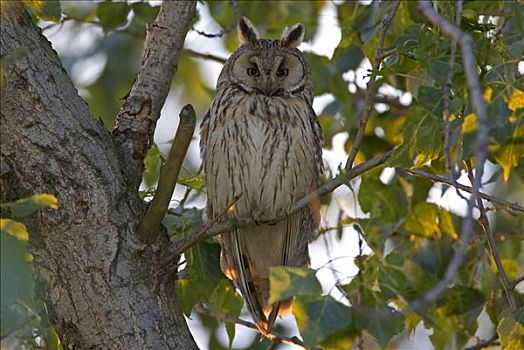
(247, 33)
(292, 36)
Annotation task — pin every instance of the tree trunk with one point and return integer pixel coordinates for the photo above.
(102, 288)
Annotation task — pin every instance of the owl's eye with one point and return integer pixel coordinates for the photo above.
(283, 72)
(253, 72)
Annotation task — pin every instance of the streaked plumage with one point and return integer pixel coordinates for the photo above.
(261, 141)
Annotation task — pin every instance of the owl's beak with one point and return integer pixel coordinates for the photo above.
(269, 88)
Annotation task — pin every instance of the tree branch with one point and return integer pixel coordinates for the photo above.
(484, 222)
(137, 118)
(206, 56)
(150, 224)
(515, 282)
(481, 145)
(437, 178)
(446, 91)
(275, 337)
(178, 247)
(484, 343)
(370, 93)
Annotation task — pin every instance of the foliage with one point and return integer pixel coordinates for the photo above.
(411, 235)
(20, 311)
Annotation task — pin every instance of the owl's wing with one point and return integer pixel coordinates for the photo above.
(204, 128)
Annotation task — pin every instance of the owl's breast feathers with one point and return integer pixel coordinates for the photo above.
(268, 151)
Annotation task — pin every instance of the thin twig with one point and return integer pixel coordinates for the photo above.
(484, 222)
(206, 56)
(150, 224)
(484, 343)
(275, 337)
(446, 92)
(192, 239)
(370, 94)
(437, 178)
(516, 281)
(230, 26)
(481, 146)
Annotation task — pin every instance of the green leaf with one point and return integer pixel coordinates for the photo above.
(286, 282)
(421, 141)
(194, 181)
(431, 99)
(145, 12)
(225, 300)
(423, 220)
(320, 317)
(14, 228)
(16, 284)
(45, 10)
(112, 14)
(27, 206)
(376, 198)
(511, 333)
(182, 221)
(381, 323)
(200, 277)
(498, 119)
(152, 164)
(460, 299)
(392, 280)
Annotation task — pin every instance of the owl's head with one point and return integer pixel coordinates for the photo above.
(268, 67)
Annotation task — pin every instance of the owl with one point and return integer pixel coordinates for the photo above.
(261, 143)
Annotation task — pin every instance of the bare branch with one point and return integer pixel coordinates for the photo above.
(150, 224)
(515, 282)
(481, 146)
(275, 337)
(484, 343)
(436, 178)
(230, 26)
(138, 116)
(193, 239)
(484, 222)
(206, 56)
(370, 93)
(446, 91)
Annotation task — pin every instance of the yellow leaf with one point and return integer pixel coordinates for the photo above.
(470, 123)
(507, 155)
(487, 94)
(446, 223)
(14, 228)
(516, 100)
(45, 199)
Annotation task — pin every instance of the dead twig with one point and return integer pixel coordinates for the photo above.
(380, 54)
(150, 224)
(484, 343)
(274, 337)
(484, 222)
(436, 178)
(446, 92)
(206, 56)
(230, 26)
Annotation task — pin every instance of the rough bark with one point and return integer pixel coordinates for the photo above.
(137, 119)
(100, 285)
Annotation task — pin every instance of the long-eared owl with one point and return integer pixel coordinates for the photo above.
(261, 142)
